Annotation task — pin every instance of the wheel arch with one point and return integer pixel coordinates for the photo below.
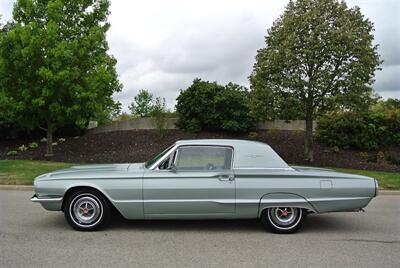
(284, 199)
(73, 188)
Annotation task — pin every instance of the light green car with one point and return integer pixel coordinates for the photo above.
(203, 179)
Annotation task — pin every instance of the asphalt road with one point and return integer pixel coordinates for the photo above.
(33, 237)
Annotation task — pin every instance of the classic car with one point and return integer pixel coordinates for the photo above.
(203, 179)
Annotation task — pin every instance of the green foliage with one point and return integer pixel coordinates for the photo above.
(33, 145)
(393, 159)
(123, 117)
(209, 106)
(265, 105)
(320, 53)
(159, 114)
(143, 104)
(54, 64)
(367, 130)
(22, 148)
(233, 108)
(12, 153)
(108, 115)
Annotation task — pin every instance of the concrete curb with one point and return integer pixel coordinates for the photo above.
(388, 192)
(30, 188)
(16, 187)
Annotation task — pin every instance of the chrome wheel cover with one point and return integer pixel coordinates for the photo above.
(86, 210)
(284, 218)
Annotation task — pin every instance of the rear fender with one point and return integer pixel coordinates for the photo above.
(284, 200)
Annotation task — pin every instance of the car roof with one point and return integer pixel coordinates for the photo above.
(248, 154)
(223, 142)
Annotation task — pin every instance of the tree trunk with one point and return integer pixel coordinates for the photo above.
(309, 155)
(49, 142)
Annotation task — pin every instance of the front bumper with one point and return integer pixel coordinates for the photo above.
(53, 203)
(51, 199)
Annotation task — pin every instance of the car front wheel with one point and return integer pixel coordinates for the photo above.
(87, 210)
(283, 219)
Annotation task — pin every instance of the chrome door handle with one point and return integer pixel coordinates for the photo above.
(226, 178)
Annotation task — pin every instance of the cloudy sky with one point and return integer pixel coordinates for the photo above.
(163, 45)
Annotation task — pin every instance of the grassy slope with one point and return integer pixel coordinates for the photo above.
(24, 171)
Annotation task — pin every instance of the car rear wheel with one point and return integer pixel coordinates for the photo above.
(283, 219)
(87, 210)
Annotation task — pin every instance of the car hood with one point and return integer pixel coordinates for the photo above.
(93, 171)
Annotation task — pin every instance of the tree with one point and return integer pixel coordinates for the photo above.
(54, 63)
(159, 113)
(233, 108)
(266, 105)
(210, 106)
(317, 52)
(143, 104)
(195, 106)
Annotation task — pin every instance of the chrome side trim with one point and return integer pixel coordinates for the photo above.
(36, 199)
(221, 201)
(323, 199)
(262, 168)
(288, 200)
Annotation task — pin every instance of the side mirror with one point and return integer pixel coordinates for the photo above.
(173, 168)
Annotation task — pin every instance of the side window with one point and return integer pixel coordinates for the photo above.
(204, 158)
(166, 164)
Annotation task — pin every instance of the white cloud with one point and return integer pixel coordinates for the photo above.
(163, 45)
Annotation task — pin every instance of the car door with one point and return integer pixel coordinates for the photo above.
(193, 182)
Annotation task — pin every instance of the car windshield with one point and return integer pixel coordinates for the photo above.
(155, 159)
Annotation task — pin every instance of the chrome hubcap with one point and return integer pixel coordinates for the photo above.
(86, 210)
(284, 215)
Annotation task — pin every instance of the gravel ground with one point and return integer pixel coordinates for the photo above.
(33, 237)
(141, 145)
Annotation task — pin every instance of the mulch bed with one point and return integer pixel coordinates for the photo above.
(141, 145)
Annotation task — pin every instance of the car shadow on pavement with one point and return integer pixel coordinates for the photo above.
(187, 225)
(313, 223)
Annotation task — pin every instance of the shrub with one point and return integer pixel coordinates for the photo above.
(393, 159)
(12, 153)
(368, 130)
(209, 106)
(33, 145)
(22, 148)
(123, 117)
(159, 114)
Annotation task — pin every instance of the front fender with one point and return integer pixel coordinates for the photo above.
(284, 200)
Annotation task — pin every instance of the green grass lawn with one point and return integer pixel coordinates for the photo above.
(24, 171)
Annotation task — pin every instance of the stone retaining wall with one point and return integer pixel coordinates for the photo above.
(149, 123)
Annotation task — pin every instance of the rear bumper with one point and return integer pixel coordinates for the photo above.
(376, 188)
(53, 203)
